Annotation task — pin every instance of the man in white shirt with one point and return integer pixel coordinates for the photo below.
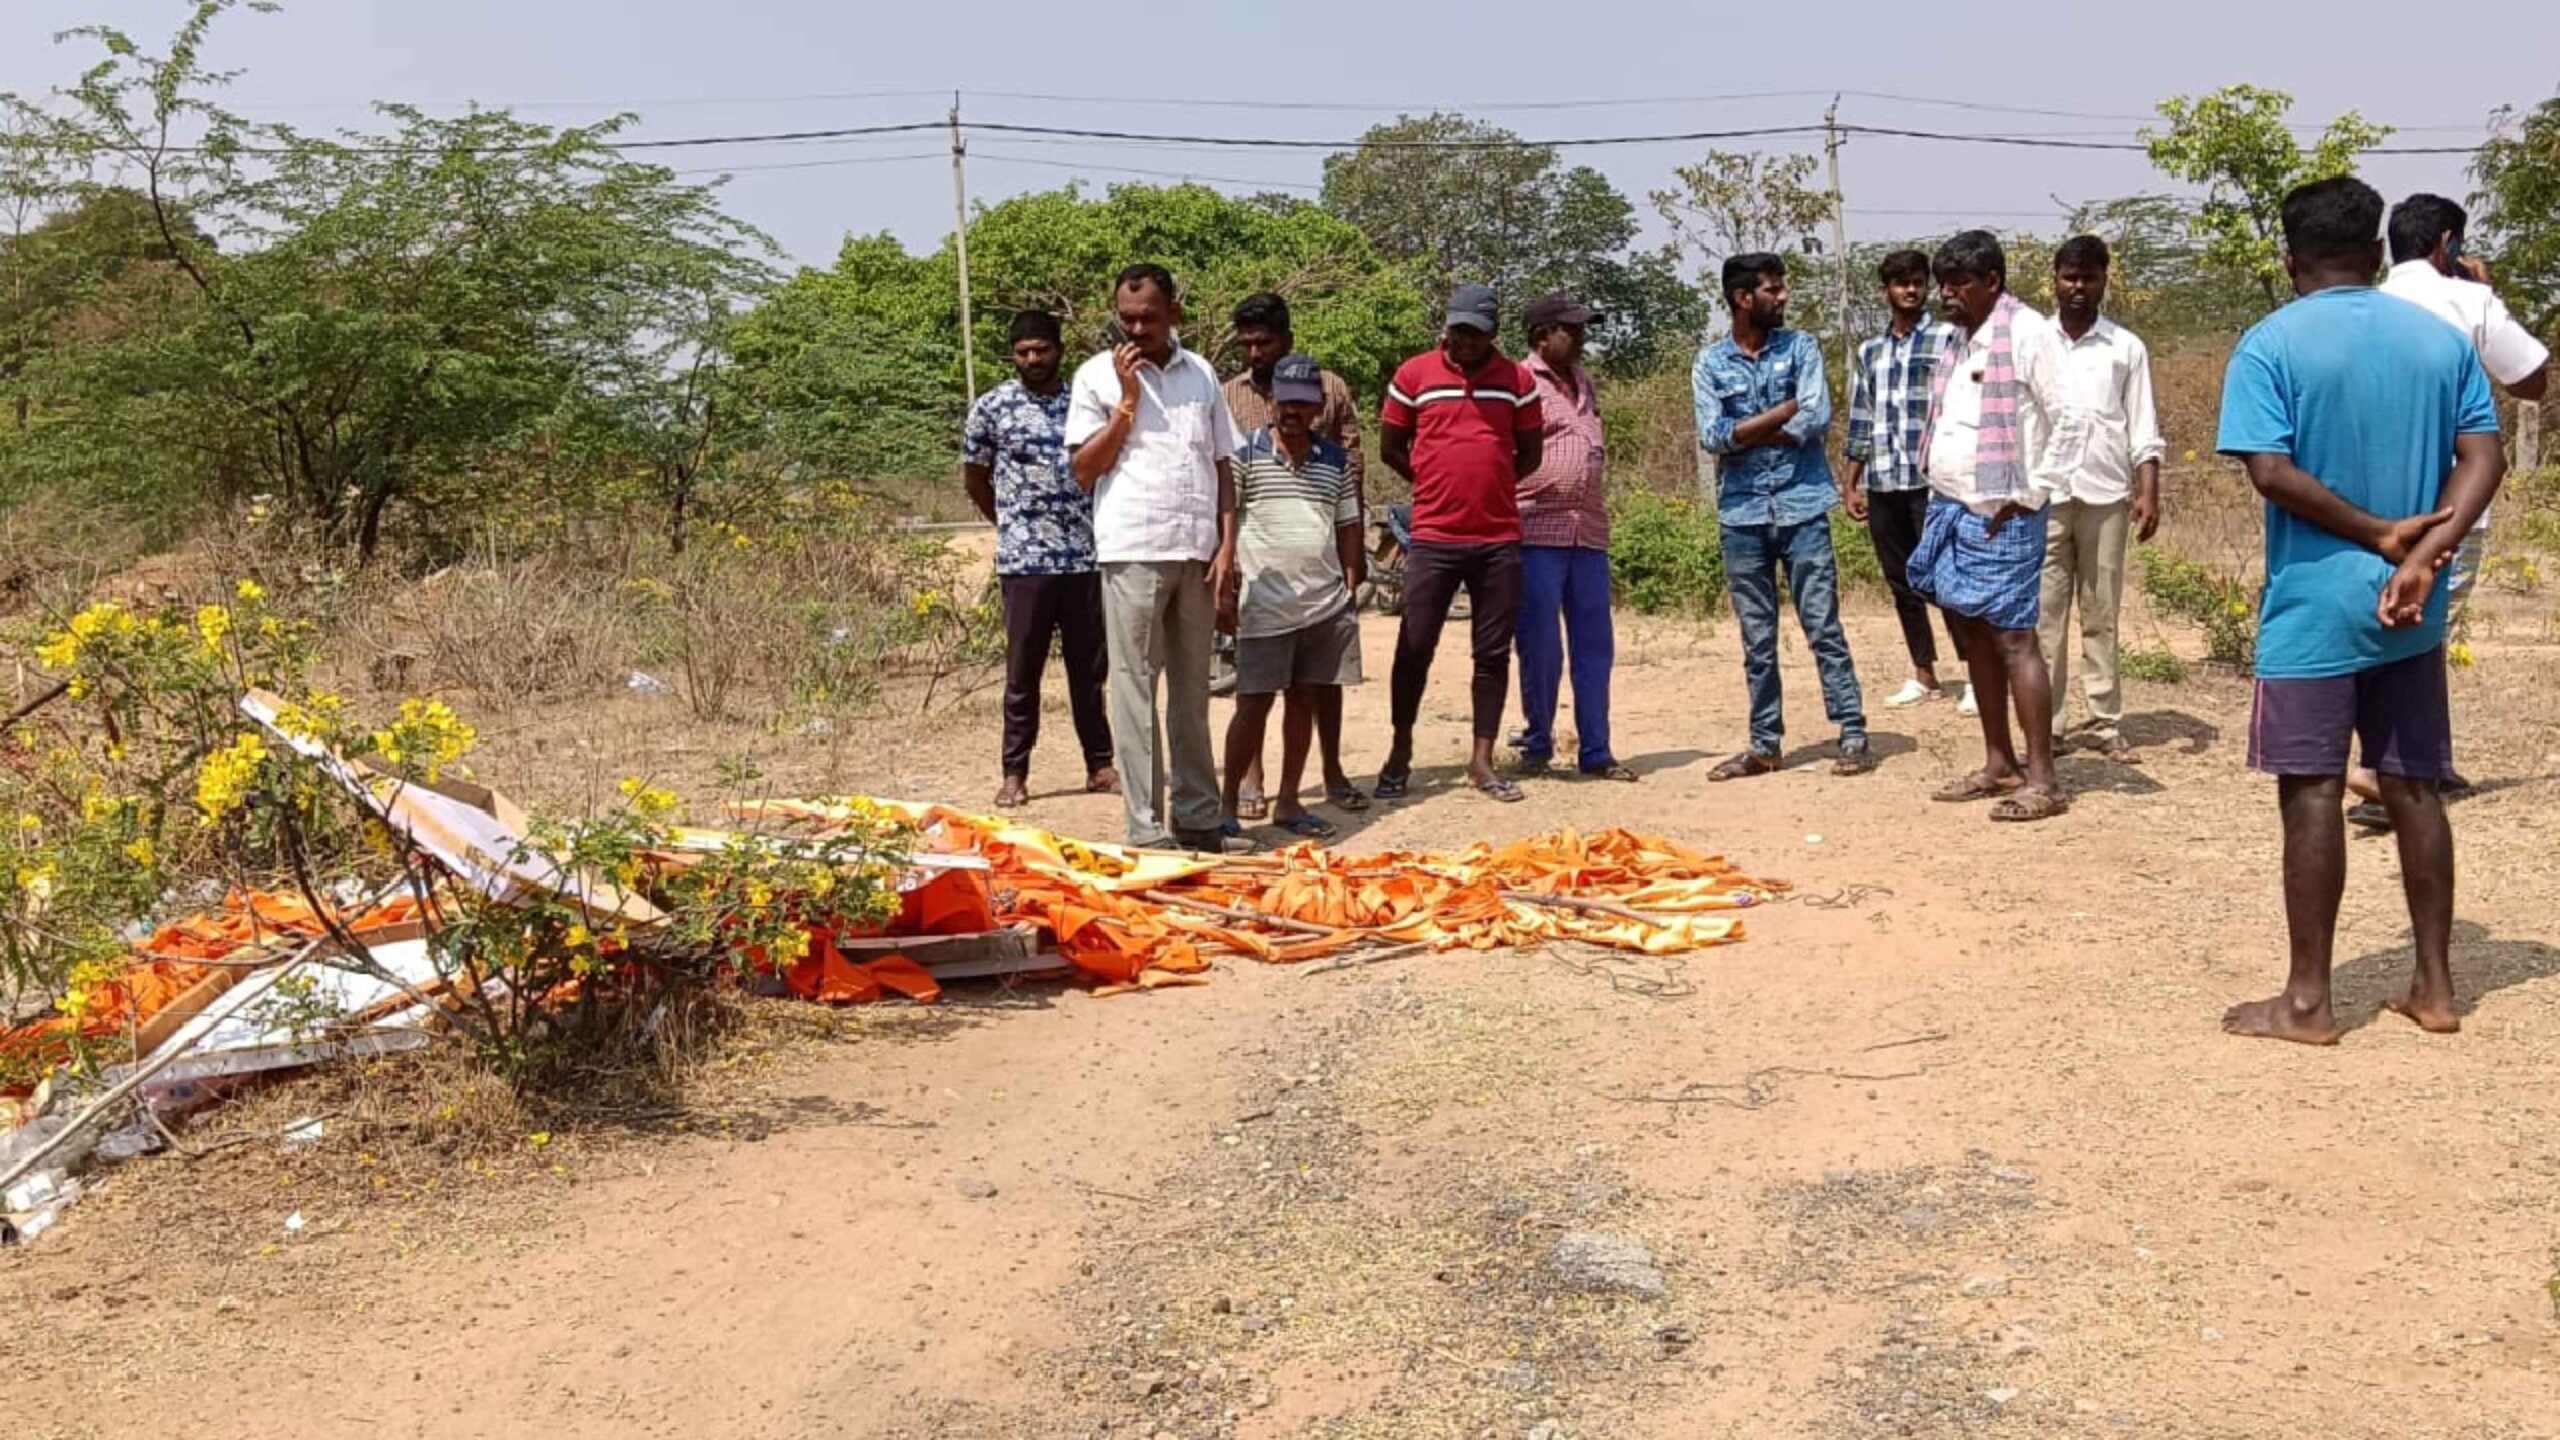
(1987, 453)
(1149, 434)
(2107, 450)
(2429, 270)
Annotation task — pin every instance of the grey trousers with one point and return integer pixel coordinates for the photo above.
(1158, 618)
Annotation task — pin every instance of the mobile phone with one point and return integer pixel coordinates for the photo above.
(1112, 335)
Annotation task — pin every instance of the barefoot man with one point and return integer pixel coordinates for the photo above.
(2368, 426)
(1998, 394)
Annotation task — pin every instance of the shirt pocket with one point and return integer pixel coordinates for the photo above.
(1732, 390)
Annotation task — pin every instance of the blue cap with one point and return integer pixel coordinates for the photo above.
(1297, 378)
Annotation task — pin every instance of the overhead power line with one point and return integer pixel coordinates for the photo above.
(1263, 142)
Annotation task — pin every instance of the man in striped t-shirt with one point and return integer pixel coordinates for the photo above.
(1463, 424)
(1295, 560)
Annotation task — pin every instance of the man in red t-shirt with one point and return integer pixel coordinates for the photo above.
(1462, 423)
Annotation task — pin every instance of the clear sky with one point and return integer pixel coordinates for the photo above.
(692, 68)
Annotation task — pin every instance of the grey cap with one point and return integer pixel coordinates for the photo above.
(1474, 307)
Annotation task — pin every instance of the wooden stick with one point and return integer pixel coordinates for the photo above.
(1572, 902)
(1229, 912)
(1372, 957)
(60, 689)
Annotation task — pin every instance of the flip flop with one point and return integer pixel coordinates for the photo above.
(1311, 827)
(2028, 805)
(1392, 787)
(1614, 771)
(1501, 789)
(1743, 766)
(1252, 805)
(1858, 759)
(1971, 786)
(1346, 797)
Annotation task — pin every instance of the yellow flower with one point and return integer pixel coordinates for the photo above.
(2459, 652)
(212, 624)
(29, 820)
(651, 802)
(224, 779)
(60, 652)
(141, 852)
(578, 937)
(252, 591)
(791, 946)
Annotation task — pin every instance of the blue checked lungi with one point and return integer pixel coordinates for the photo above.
(1965, 568)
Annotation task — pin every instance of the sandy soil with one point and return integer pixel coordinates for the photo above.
(1950, 1145)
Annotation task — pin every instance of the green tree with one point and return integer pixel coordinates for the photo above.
(1455, 200)
(394, 318)
(864, 372)
(2517, 211)
(2236, 144)
(2158, 281)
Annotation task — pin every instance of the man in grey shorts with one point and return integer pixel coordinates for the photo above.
(1296, 560)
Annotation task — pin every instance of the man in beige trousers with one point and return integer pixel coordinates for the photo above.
(2107, 447)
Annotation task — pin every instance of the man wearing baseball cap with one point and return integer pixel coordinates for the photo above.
(1564, 549)
(1295, 557)
(1462, 423)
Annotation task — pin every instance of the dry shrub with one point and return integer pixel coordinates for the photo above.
(56, 552)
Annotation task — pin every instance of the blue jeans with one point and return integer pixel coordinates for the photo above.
(1567, 583)
(1753, 556)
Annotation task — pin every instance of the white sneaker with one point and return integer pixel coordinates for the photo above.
(1911, 693)
(1968, 705)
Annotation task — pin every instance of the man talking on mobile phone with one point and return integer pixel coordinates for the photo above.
(1149, 435)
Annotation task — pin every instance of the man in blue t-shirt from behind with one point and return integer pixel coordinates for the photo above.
(2368, 426)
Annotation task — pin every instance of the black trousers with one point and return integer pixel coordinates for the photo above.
(1894, 519)
(1433, 575)
(1070, 606)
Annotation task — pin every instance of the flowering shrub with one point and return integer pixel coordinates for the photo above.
(148, 777)
(2225, 606)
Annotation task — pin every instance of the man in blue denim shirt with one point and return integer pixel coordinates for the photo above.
(1762, 408)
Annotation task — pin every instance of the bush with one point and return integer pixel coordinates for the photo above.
(2225, 606)
(1665, 554)
(1856, 550)
(2159, 664)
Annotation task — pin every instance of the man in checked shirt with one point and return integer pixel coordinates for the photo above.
(1883, 484)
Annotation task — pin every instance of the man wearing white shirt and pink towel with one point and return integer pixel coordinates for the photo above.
(1996, 397)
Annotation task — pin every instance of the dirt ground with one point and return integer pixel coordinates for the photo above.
(1949, 1145)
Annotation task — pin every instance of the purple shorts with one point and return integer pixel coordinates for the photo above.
(2398, 712)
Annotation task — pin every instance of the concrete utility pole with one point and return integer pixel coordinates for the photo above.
(960, 238)
(1839, 235)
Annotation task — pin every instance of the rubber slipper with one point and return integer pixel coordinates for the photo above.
(1614, 771)
(1973, 785)
(1252, 805)
(1502, 790)
(1743, 766)
(1858, 759)
(1346, 797)
(1392, 787)
(1311, 827)
(2029, 805)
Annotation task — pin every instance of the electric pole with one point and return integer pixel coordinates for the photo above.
(960, 239)
(1839, 236)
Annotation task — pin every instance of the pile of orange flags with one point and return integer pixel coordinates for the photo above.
(173, 974)
(1138, 918)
